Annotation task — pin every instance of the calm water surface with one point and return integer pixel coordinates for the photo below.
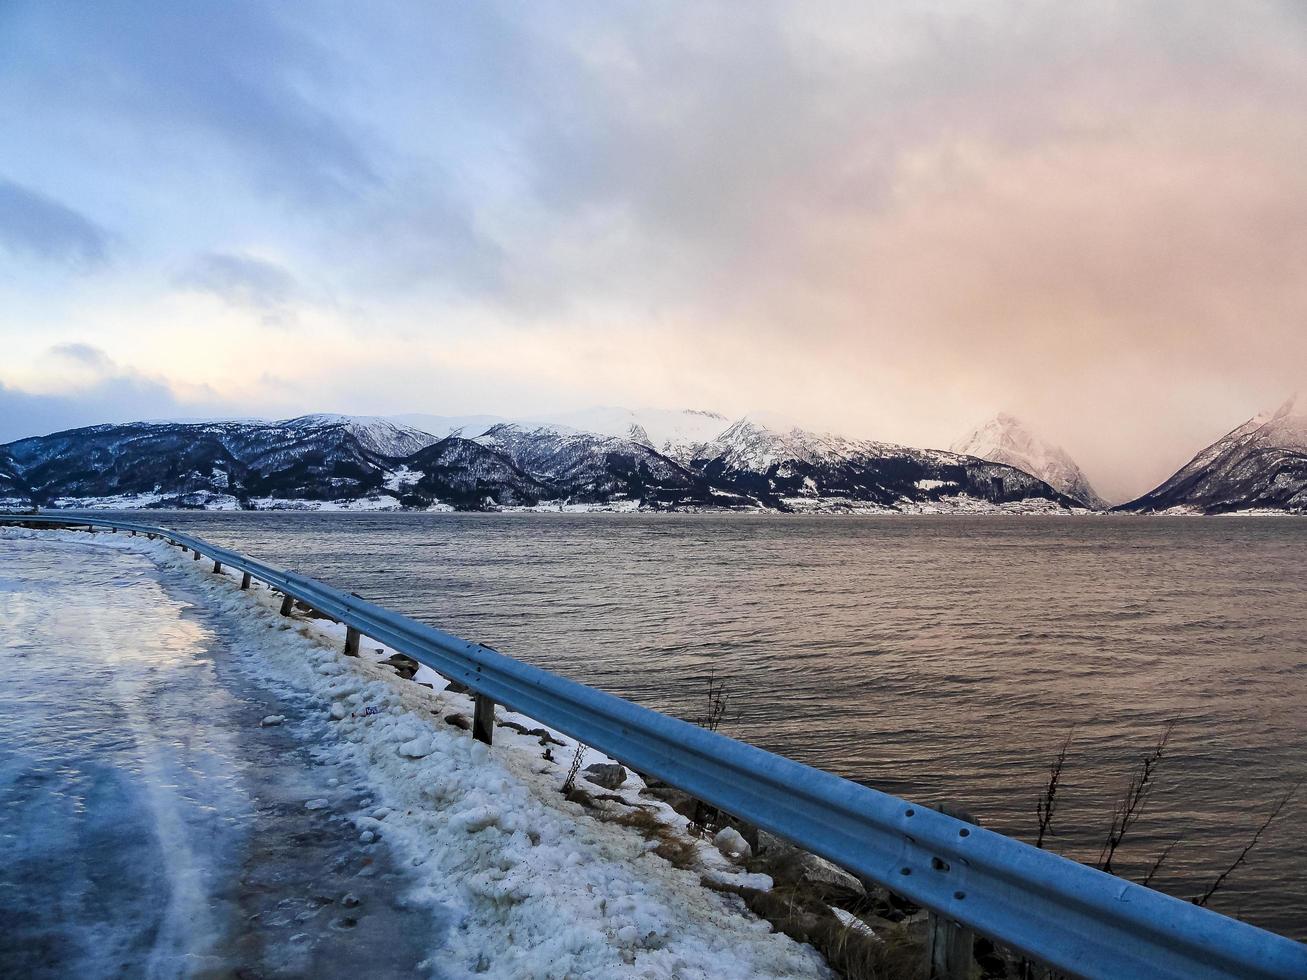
(943, 659)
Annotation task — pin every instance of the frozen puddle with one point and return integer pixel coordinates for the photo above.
(192, 785)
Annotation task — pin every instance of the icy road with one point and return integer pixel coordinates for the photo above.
(191, 785)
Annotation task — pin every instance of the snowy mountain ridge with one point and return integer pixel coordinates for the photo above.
(1260, 465)
(592, 468)
(662, 429)
(380, 435)
(361, 462)
(1006, 439)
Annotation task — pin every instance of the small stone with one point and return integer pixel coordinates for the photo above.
(605, 775)
(792, 865)
(404, 666)
(817, 869)
(367, 837)
(350, 901)
(417, 748)
(338, 711)
(731, 843)
(271, 721)
(459, 721)
(318, 804)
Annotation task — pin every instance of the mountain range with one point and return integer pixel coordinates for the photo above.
(670, 461)
(616, 459)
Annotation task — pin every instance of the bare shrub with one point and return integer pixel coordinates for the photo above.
(715, 710)
(1131, 805)
(578, 757)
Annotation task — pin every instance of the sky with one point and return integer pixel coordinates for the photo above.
(886, 220)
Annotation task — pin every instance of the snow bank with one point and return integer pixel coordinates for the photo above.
(536, 886)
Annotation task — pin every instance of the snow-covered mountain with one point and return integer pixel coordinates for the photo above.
(1006, 439)
(440, 426)
(1260, 466)
(666, 430)
(334, 461)
(463, 474)
(13, 491)
(381, 437)
(322, 458)
(800, 470)
(587, 467)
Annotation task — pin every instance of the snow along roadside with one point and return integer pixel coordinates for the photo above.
(535, 885)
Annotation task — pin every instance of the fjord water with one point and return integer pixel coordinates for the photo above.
(941, 659)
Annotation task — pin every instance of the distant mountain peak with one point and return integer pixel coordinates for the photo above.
(1258, 466)
(1006, 439)
(382, 436)
(1292, 406)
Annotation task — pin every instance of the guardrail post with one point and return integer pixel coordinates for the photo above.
(950, 951)
(196, 554)
(217, 567)
(483, 719)
(351, 641)
(245, 581)
(286, 605)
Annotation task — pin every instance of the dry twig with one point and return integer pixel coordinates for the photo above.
(1131, 806)
(1046, 806)
(1203, 899)
(575, 768)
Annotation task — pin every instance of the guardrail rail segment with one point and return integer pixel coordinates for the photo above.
(1073, 918)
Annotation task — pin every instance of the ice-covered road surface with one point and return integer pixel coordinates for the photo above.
(150, 826)
(153, 827)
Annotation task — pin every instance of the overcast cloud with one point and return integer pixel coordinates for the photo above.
(890, 220)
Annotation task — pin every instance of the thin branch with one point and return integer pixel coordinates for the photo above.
(717, 702)
(1157, 865)
(1243, 855)
(1046, 805)
(1131, 806)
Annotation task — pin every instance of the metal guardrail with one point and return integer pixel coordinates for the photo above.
(1076, 919)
